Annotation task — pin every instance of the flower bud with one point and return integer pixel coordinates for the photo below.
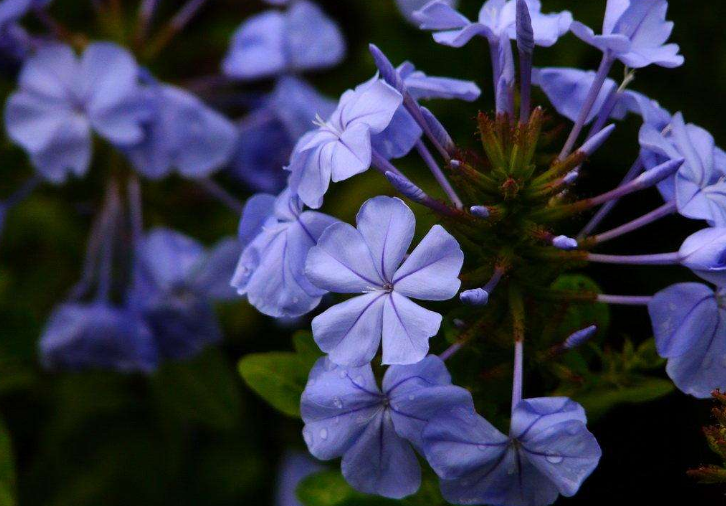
(705, 254)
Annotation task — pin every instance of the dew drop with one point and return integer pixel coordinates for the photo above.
(359, 380)
(554, 459)
(411, 397)
(343, 373)
(573, 430)
(483, 447)
(323, 434)
(337, 402)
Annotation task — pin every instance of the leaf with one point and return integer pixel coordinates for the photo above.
(306, 348)
(277, 377)
(7, 469)
(329, 488)
(600, 400)
(204, 390)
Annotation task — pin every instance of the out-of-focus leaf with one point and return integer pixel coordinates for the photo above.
(600, 400)
(277, 377)
(203, 389)
(329, 488)
(7, 469)
(306, 348)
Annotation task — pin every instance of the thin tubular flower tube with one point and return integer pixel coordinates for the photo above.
(439, 175)
(666, 209)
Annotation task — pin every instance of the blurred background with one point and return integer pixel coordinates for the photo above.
(192, 433)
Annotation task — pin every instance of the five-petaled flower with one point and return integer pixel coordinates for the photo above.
(367, 260)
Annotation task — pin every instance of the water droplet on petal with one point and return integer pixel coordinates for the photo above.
(323, 434)
(483, 447)
(343, 373)
(411, 397)
(555, 459)
(337, 402)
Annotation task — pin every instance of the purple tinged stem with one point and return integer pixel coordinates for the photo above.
(664, 210)
(624, 300)
(215, 190)
(146, 14)
(518, 373)
(450, 351)
(602, 74)
(185, 14)
(414, 109)
(494, 281)
(22, 193)
(438, 174)
(111, 222)
(634, 171)
(643, 181)
(135, 210)
(596, 141)
(657, 259)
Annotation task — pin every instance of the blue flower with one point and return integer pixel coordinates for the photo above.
(273, 43)
(423, 87)
(346, 415)
(268, 135)
(409, 7)
(567, 89)
(97, 336)
(62, 99)
(367, 260)
(176, 281)
(689, 323)
(549, 452)
(183, 133)
(698, 187)
(295, 467)
(13, 10)
(705, 254)
(341, 147)
(635, 32)
(497, 18)
(276, 234)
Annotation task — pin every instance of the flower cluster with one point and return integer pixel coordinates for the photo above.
(150, 298)
(499, 238)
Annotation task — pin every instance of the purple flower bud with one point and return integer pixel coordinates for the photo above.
(480, 211)
(564, 243)
(438, 130)
(525, 33)
(455, 164)
(386, 68)
(571, 177)
(476, 297)
(597, 140)
(705, 254)
(406, 187)
(579, 338)
(657, 174)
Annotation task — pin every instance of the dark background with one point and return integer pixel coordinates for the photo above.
(193, 434)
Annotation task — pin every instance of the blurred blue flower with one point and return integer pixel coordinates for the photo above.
(497, 19)
(295, 467)
(276, 235)
(635, 32)
(62, 99)
(12, 10)
(97, 336)
(273, 43)
(698, 188)
(346, 415)
(182, 133)
(268, 135)
(176, 280)
(341, 147)
(567, 89)
(689, 323)
(368, 260)
(705, 254)
(409, 7)
(548, 452)
(424, 87)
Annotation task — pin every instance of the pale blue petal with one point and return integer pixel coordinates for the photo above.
(351, 331)
(407, 328)
(431, 271)
(258, 48)
(399, 138)
(313, 40)
(257, 210)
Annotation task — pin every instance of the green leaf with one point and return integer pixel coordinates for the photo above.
(7, 469)
(306, 348)
(600, 400)
(277, 377)
(329, 488)
(204, 390)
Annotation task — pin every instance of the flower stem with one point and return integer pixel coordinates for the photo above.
(174, 26)
(450, 351)
(658, 259)
(516, 306)
(636, 169)
(624, 300)
(111, 219)
(215, 190)
(517, 382)
(602, 74)
(135, 209)
(438, 174)
(664, 210)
